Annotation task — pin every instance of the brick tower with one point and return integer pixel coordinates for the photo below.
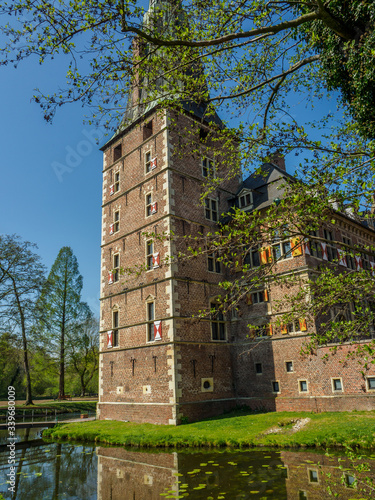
(158, 363)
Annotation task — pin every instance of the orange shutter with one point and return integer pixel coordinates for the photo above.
(269, 329)
(249, 299)
(284, 329)
(265, 296)
(302, 325)
(296, 246)
(265, 255)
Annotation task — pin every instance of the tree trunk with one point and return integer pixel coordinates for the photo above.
(29, 400)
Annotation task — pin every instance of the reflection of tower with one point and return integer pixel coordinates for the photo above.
(128, 475)
(158, 363)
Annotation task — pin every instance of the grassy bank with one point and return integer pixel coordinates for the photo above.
(59, 406)
(237, 429)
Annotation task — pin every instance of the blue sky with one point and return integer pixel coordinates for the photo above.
(37, 204)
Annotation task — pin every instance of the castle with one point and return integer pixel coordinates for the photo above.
(158, 362)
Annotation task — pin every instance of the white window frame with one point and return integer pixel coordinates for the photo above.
(243, 200)
(300, 380)
(280, 243)
(116, 267)
(286, 367)
(337, 391)
(210, 212)
(368, 388)
(249, 256)
(220, 322)
(149, 255)
(115, 327)
(150, 320)
(214, 263)
(116, 221)
(278, 383)
(148, 203)
(208, 167)
(148, 158)
(116, 183)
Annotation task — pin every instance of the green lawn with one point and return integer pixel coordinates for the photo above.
(237, 429)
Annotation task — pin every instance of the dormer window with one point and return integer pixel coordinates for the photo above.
(246, 200)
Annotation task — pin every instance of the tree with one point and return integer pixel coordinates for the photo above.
(21, 278)
(84, 352)
(61, 308)
(264, 64)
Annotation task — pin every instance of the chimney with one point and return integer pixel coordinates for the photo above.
(278, 159)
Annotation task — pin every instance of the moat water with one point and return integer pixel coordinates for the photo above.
(54, 471)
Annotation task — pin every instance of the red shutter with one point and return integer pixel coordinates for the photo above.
(324, 250)
(157, 330)
(111, 189)
(111, 228)
(266, 296)
(110, 278)
(155, 260)
(342, 257)
(306, 246)
(358, 262)
(154, 207)
(153, 163)
(372, 264)
(284, 329)
(109, 339)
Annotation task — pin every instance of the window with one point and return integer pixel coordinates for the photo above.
(148, 162)
(275, 386)
(371, 383)
(302, 495)
(349, 258)
(115, 323)
(246, 200)
(149, 254)
(259, 297)
(289, 366)
(293, 327)
(303, 386)
(217, 323)
(282, 248)
(148, 204)
(315, 247)
(337, 385)
(150, 320)
(258, 368)
(117, 152)
(331, 249)
(147, 130)
(213, 263)
(203, 133)
(251, 258)
(211, 209)
(117, 182)
(262, 330)
(116, 267)
(365, 261)
(313, 476)
(208, 168)
(116, 221)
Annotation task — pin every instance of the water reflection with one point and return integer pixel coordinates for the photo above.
(57, 471)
